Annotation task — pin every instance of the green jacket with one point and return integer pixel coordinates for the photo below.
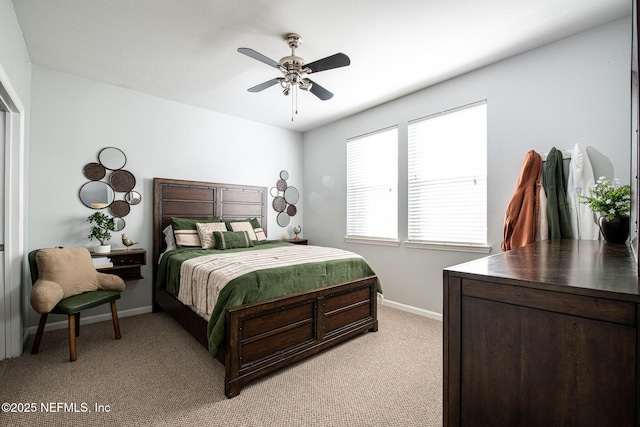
(558, 211)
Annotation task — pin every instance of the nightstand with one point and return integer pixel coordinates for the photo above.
(297, 241)
(126, 263)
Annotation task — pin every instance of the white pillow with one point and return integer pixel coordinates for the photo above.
(169, 238)
(244, 226)
(260, 234)
(187, 237)
(205, 231)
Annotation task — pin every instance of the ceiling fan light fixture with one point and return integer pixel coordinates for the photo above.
(291, 61)
(294, 70)
(305, 84)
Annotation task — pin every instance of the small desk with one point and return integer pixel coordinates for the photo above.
(126, 263)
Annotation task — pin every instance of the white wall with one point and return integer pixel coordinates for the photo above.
(73, 118)
(13, 52)
(573, 91)
(16, 67)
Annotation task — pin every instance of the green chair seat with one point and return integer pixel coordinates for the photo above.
(76, 303)
(72, 306)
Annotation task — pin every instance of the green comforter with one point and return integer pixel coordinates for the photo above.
(259, 285)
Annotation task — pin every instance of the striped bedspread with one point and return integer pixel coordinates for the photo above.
(203, 278)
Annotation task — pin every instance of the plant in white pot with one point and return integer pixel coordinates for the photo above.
(100, 231)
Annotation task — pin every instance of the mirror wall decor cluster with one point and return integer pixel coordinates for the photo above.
(284, 199)
(107, 178)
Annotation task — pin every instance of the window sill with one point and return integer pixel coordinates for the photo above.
(372, 241)
(456, 247)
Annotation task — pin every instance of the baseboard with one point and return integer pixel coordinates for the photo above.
(89, 319)
(148, 309)
(411, 309)
(142, 310)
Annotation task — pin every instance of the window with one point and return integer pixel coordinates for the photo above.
(447, 173)
(372, 185)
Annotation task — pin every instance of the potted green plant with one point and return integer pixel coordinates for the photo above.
(613, 203)
(100, 231)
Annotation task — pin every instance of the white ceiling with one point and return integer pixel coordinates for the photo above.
(186, 50)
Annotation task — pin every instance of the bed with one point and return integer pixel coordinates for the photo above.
(263, 336)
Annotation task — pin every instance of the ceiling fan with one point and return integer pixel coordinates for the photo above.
(295, 70)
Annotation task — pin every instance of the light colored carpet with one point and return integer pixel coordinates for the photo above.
(158, 375)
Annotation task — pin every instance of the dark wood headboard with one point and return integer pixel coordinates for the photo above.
(196, 199)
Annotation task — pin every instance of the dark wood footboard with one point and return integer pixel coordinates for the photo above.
(266, 336)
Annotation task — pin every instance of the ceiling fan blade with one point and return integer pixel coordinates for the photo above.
(260, 57)
(334, 61)
(319, 91)
(263, 86)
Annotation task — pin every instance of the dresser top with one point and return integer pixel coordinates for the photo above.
(577, 266)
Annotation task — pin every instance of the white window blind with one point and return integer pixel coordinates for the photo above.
(447, 173)
(372, 185)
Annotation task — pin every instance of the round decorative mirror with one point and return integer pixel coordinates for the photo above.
(122, 180)
(107, 177)
(120, 208)
(279, 204)
(284, 199)
(283, 219)
(112, 158)
(281, 185)
(133, 197)
(94, 171)
(96, 194)
(119, 223)
(291, 195)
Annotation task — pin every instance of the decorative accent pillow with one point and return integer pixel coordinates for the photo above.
(64, 272)
(244, 226)
(169, 238)
(185, 231)
(260, 235)
(205, 232)
(187, 237)
(254, 223)
(232, 239)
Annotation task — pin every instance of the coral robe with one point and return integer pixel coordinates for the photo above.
(521, 216)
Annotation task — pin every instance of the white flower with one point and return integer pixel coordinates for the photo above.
(608, 199)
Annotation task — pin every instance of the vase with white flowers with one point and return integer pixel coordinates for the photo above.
(613, 203)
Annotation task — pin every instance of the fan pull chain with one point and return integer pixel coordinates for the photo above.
(294, 101)
(292, 96)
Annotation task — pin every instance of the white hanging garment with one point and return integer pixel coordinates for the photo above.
(581, 179)
(542, 232)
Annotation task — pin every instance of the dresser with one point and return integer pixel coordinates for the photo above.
(543, 335)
